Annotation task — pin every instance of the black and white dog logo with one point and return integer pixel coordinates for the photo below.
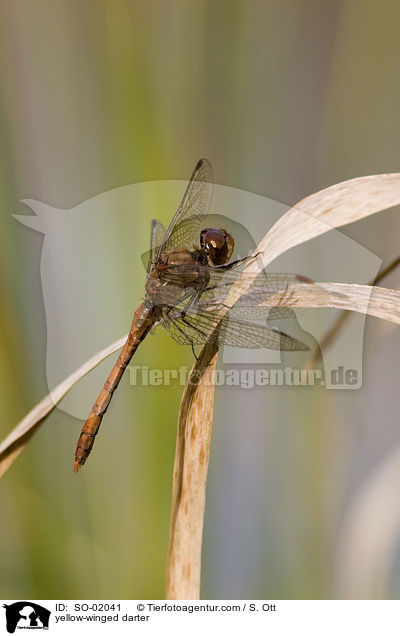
(26, 615)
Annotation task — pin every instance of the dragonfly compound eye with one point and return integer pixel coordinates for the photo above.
(218, 245)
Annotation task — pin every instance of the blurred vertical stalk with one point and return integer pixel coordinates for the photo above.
(190, 478)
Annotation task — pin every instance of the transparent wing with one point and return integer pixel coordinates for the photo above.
(262, 287)
(271, 291)
(269, 313)
(186, 233)
(185, 226)
(197, 328)
(157, 234)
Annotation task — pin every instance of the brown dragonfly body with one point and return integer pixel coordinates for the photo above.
(143, 321)
(189, 273)
(174, 274)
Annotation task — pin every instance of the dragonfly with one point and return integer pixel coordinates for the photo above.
(190, 271)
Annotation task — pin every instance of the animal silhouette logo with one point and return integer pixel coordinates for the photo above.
(26, 615)
(92, 275)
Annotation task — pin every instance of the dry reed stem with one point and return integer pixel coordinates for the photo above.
(189, 479)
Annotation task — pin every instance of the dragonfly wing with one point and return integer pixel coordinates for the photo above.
(262, 285)
(238, 333)
(186, 223)
(255, 313)
(157, 234)
(197, 328)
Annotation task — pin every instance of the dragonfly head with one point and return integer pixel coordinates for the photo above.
(218, 244)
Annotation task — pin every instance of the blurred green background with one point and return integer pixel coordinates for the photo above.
(285, 98)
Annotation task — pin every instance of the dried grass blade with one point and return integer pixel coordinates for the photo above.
(16, 441)
(375, 301)
(189, 479)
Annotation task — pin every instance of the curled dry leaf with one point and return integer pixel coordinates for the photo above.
(327, 209)
(338, 205)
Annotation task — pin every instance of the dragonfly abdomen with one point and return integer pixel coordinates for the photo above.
(143, 321)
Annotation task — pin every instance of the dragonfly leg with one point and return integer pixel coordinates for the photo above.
(189, 324)
(188, 338)
(191, 296)
(234, 264)
(194, 353)
(185, 335)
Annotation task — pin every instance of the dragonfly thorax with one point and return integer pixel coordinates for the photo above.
(175, 275)
(218, 244)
